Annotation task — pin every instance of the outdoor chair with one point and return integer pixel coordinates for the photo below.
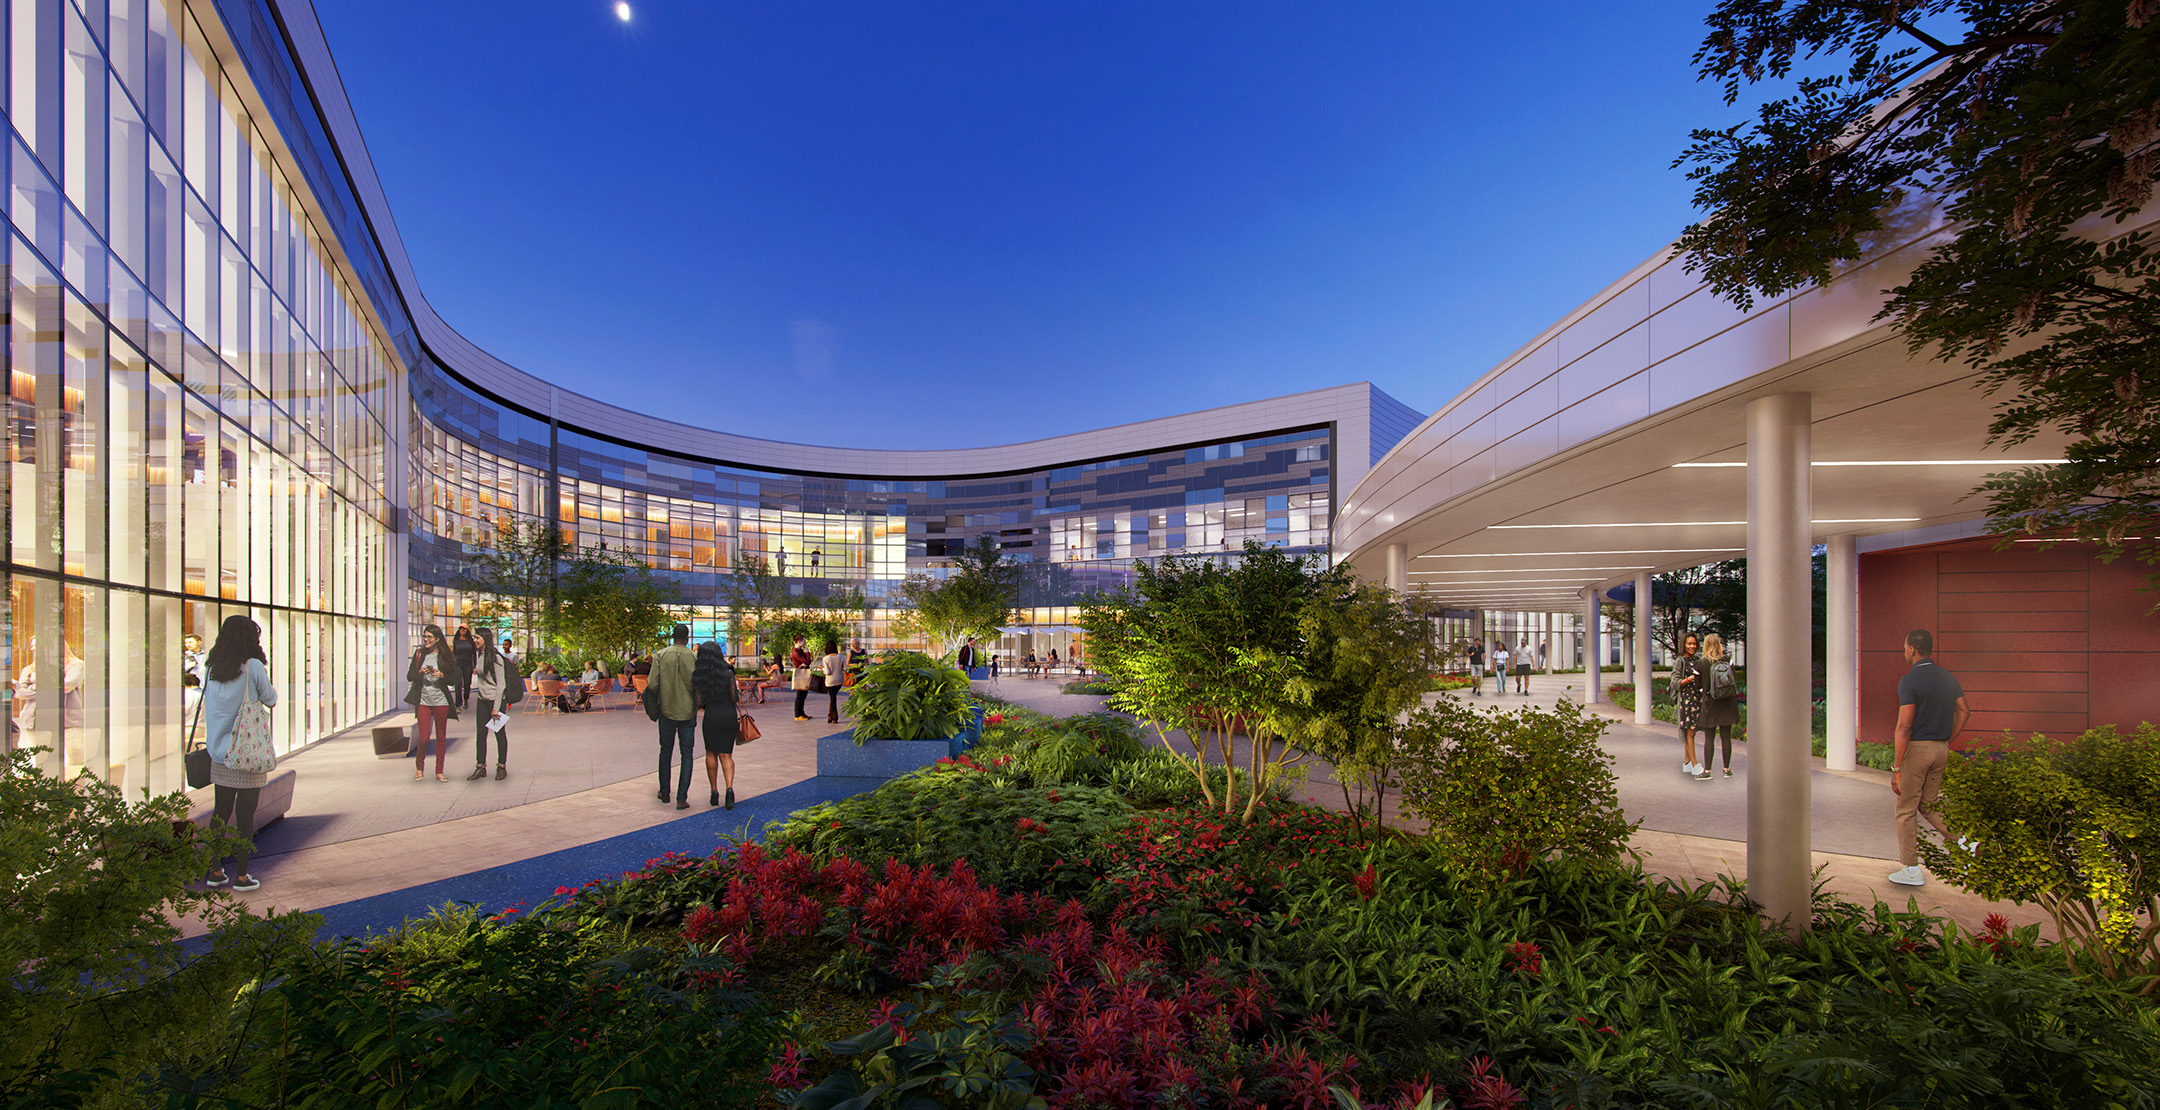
(550, 693)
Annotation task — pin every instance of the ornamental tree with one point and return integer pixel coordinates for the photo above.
(2035, 129)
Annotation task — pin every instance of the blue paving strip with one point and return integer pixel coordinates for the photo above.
(533, 880)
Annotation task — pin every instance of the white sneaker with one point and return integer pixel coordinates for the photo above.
(1686, 767)
(1909, 876)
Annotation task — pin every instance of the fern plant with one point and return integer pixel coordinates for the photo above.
(906, 695)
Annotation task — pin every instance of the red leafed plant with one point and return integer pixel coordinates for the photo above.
(1526, 957)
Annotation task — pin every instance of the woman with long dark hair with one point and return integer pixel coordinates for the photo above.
(832, 665)
(467, 655)
(238, 669)
(713, 680)
(431, 691)
(500, 687)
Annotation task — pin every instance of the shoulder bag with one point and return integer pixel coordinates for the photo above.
(746, 729)
(802, 679)
(251, 749)
(197, 757)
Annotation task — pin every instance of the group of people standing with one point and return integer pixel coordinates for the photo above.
(440, 681)
(1706, 699)
(681, 684)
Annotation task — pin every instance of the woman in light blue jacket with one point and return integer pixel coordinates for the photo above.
(236, 667)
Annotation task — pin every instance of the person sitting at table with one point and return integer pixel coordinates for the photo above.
(1031, 663)
(1052, 665)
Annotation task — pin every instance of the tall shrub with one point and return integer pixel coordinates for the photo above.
(2070, 826)
(1371, 654)
(1503, 789)
(1214, 651)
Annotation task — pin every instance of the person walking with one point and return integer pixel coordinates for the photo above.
(467, 655)
(1931, 713)
(238, 672)
(1686, 681)
(429, 691)
(967, 656)
(1522, 668)
(1720, 682)
(858, 661)
(714, 679)
(500, 686)
(1500, 667)
(799, 663)
(1477, 670)
(834, 670)
(672, 673)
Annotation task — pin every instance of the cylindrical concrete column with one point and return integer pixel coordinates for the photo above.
(1593, 660)
(1398, 568)
(1780, 544)
(1641, 652)
(1841, 655)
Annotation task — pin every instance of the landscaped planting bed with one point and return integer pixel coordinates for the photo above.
(1060, 919)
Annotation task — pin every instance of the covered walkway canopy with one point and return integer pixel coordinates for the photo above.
(1658, 427)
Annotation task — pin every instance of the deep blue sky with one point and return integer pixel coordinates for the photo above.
(940, 224)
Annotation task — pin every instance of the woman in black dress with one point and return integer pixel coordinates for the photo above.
(1687, 688)
(713, 680)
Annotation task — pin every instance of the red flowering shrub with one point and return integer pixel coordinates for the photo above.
(1197, 871)
(1525, 957)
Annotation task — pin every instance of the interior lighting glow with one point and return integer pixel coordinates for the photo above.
(1548, 554)
(1895, 462)
(1525, 570)
(1704, 523)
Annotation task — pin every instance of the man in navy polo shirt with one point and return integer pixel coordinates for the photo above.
(1931, 712)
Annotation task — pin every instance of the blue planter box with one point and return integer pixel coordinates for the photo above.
(839, 755)
(977, 674)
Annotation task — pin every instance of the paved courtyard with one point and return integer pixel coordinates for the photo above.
(369, 846)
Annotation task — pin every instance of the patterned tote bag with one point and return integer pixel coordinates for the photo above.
(251, 751)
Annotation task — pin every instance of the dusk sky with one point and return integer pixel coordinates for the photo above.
(941, 224)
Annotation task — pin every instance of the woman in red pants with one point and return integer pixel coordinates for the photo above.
(431, 684)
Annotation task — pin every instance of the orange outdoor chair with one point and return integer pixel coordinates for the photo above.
(550, 691)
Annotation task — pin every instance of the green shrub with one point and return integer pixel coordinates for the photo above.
(99, 991)
(508, 1014)
(1090, 686)
(1014, 837)
(1155, 779)
(2072, 826)
(906, 695)
(1501, 789)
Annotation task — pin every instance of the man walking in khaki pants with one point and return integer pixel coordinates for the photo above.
(1931, 712)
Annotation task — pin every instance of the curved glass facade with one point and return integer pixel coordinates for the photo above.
(226, 397)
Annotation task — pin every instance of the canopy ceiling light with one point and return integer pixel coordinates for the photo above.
(1704, 523)
(1896, 462)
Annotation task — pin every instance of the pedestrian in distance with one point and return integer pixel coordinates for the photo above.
(714, 679)
(799, 663)
(1477, 670)
(467, 655)
(430, 691)
(238, 673)
(858, 660)
(500, 686)
(671, 685)
(1500, 667)
(834, 670)
(1686, 681)
(1720, 702)
(1522, 668)
(1931, 713)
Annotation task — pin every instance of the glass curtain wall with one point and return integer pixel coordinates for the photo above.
(195, 407)
(484, 462)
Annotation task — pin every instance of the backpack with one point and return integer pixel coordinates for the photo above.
(1724, 683)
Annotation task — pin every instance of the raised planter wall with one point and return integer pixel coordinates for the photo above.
(839, 755)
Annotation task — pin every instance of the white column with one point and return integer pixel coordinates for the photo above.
(1780, 538)
(1641, 654)
(1593, 660)
(1546, 624)
(1398, 568)
(1841, 655)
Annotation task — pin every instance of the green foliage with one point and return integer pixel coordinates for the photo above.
(1698, 601)
(1214, 651)
(610, 603)
(953, 812)
(815, 629)
(518, 573)
(906, 695)
(1370, 654)
(1089, 686)
(974, 1059)
(2033, 128)
(99, 991)
(2072, 827)
(510, 1014)
(1502, 789)
(973, 600)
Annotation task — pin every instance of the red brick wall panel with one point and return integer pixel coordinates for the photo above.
(2126, 686)
(2013, 582)
(2020, 558)
(1997, 620)
(1961, 644)
(2025, 681)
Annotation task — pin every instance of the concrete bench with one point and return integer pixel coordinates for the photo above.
(390, 734)
(274, 801)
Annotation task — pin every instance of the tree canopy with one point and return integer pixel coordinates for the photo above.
(973, 600)
(2035, 128)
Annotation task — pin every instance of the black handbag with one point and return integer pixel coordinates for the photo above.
(651, 698)
(196, 758)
